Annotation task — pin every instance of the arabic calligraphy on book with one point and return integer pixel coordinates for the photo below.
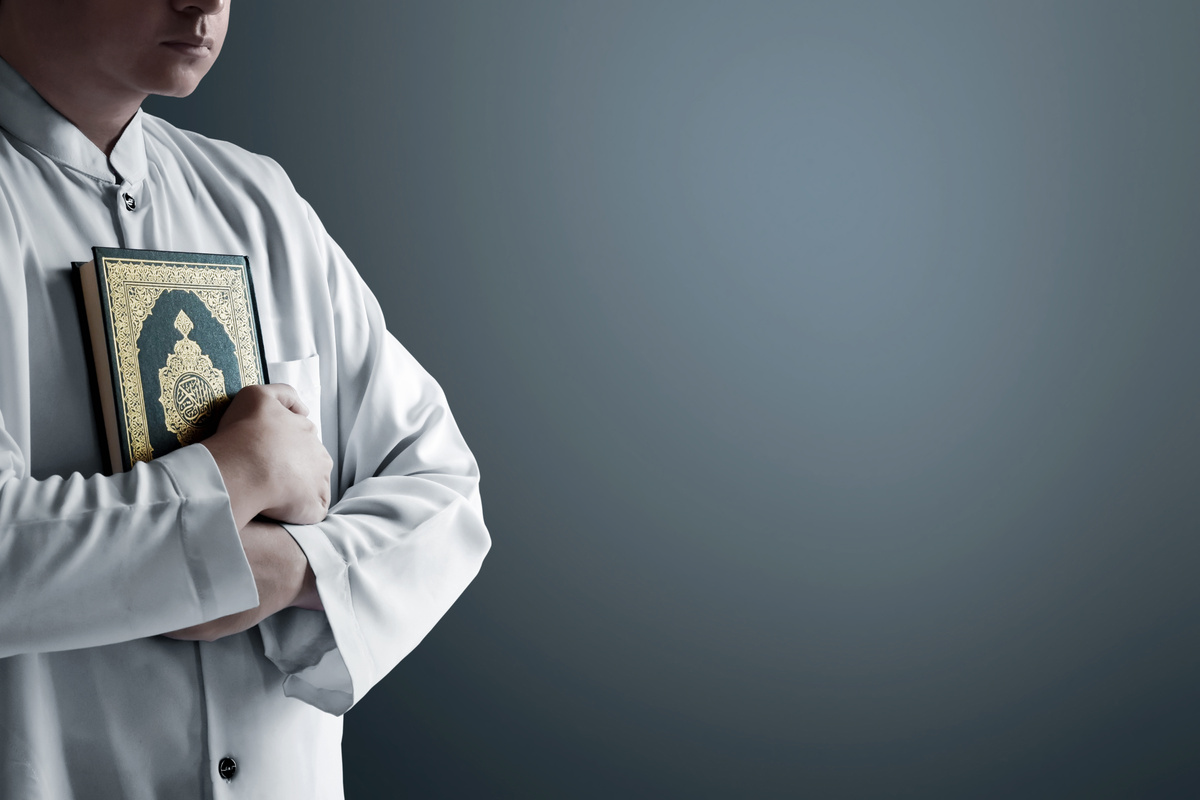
(192, 389)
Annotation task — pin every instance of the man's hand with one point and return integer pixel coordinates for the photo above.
(283, 577)
(270, 457)
(273, 464)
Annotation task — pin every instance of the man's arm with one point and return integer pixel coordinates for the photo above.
(94, 561)
(271, 425)
(405, 534)
(282, 575)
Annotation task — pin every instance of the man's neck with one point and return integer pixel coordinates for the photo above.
(101, 116)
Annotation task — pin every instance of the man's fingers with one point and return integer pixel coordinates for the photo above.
(287, 395)
(271, 460)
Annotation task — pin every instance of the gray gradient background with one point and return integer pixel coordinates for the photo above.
(831, 368)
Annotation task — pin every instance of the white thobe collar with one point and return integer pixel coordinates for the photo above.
(33, 121)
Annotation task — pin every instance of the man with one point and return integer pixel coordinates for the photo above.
(158, 637)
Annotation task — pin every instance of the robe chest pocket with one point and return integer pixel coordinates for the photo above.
(303, 375)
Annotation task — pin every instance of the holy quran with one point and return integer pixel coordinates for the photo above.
(173, 336)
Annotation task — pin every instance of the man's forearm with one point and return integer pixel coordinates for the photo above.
(281, 573)
(106, 559)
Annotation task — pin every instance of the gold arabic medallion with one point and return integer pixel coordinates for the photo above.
(191, 388)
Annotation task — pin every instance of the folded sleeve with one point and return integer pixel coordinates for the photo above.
(405, 535)
(95, 561)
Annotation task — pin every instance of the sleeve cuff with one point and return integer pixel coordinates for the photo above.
(323, 654)
(212, 549)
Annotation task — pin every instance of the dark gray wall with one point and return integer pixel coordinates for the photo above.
(832, 370)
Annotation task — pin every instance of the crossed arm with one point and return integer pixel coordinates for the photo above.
(174, 545)
(273, 465)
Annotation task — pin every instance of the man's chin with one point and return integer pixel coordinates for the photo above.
(176, 92)
(172, 79)
(176, 88)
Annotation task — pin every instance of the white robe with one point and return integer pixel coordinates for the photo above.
(93, 702)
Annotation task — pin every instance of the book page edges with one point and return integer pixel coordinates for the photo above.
(108, 406)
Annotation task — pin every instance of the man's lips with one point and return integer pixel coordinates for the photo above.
(198, 47)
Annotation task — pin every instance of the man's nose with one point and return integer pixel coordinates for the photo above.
(203, 6)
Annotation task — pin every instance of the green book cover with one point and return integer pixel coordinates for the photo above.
(174, 336)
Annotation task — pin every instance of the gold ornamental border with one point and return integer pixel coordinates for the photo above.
(134, 287)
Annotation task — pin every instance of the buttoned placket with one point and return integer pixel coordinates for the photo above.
(131, 204)
(227, 750)
(133, 215)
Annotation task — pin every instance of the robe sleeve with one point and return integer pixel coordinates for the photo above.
(406, 533)
(95, 561)
(100, 560)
